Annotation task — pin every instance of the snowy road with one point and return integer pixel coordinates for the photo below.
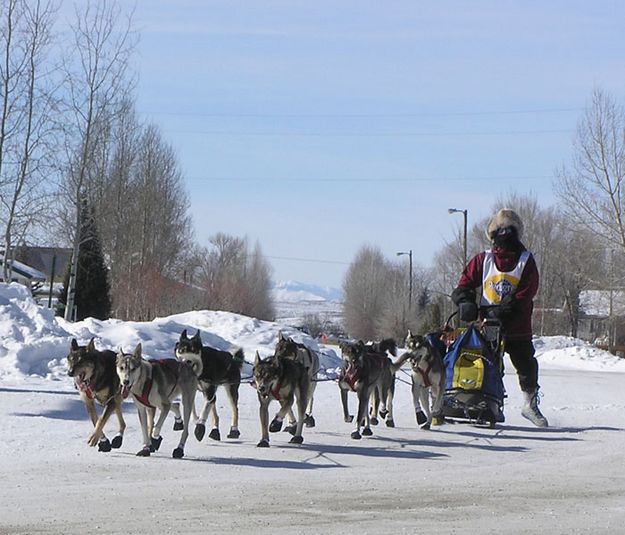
(455, 479)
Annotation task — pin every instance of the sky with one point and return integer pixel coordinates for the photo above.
(456, 478)
(314, 128)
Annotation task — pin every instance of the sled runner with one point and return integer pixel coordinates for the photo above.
(474, 390)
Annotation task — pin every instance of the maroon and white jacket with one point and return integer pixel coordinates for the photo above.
(524, 281)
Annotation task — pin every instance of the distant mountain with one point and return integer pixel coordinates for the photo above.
(296, 292)
(295, 300)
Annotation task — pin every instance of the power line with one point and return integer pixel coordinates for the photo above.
(313, 260)
(371, 180)
(365, 134)
(364, 115)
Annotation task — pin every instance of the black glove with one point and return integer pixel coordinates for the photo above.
(463, 295)
(506, 308)
(467, 311)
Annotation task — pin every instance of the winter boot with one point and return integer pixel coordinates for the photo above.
(531, 411)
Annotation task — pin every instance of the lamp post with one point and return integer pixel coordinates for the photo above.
(464, 240)
(409, 253)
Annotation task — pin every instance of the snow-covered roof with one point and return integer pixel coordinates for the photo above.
(26, 272)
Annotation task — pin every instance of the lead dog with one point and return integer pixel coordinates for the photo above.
(364, 370)
(213, 368)
(290, 349)
(428, 379)
(155, 384)
(284, 380)
(96, 380)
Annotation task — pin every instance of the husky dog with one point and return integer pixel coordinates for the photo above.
(364, 370)
(155, 384)
(94, 376)
(284, 380)
(290, 349)
(428, 379)
(379, 402)
(213, 368)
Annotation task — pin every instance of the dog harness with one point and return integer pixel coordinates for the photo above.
(425, 374)
(144, 398)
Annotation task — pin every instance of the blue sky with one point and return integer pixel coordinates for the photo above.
(317, 127)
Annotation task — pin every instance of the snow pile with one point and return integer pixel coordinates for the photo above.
(35, 342)
(565, 352)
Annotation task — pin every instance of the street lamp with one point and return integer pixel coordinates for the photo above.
(409, 253)
(464, 240)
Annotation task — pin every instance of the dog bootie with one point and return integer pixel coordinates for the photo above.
(531, 411)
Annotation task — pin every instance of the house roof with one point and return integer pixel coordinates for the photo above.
(26, 271)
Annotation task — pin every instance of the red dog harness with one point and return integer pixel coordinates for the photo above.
(144, 398)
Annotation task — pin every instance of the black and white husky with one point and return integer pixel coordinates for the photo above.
(213, 368)
(428, 379)
(155, 384)
(286, 381)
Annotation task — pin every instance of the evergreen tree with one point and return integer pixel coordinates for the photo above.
(92, 283)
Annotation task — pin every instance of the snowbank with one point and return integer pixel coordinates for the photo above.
(35, 342)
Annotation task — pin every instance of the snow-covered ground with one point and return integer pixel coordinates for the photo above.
(457, 478)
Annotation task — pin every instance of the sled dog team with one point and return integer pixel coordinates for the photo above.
(288, 376)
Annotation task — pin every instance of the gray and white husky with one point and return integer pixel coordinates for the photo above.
(428, 379)
(286, 381)
(155, 384)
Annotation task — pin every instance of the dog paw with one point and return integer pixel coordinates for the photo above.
(438, 420)
(178, 425)
(290, 429)
(104, 445)
(178, 453)
(349, 419)
(366, 432)
(421, 417)
(214, 434)
(373, 421)
(426, 426)
(390, 423)
(234, 433)
(200, 429)
(297, 439)
(383, 413)
(275, 426)
(116, 443)
(264, 443)
(144, 452)
(155, 443)
(356, 435)
(309, 420)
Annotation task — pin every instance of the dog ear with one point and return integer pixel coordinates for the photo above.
(183, 335)
(137, 352)
(281, 336)
(197, 335)
(91, 345)
(409, 335)
(74, 344)
(256, 358)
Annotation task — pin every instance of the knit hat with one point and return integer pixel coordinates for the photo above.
(502, 219)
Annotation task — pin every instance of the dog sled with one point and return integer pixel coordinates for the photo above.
(474, 389)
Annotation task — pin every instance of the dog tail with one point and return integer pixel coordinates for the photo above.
(389, 344)
(238, 357)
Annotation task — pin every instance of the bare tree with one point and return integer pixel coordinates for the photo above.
(26, 125)
(365, 289)
(236, 279)
(97, 82)
(591, 189)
